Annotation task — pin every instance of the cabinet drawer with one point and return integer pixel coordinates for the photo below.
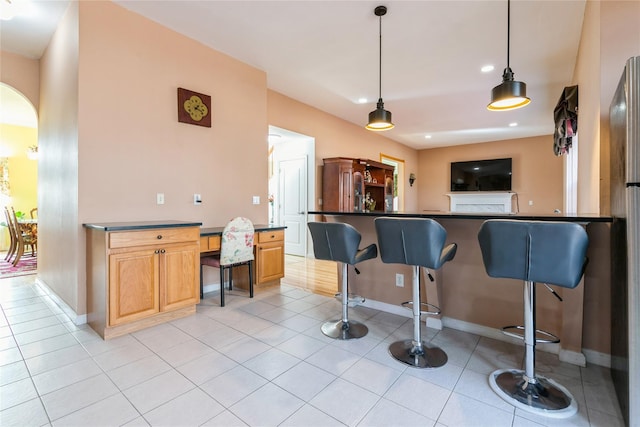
(209, 243)
(125, 239)
(270, 236)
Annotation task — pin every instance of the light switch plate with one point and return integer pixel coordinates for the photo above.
(256, 200)
(197, 199)
(160, 198)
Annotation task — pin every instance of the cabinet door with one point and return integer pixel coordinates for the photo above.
(133, 285)
(269, 262)
(180, 276)
(346, 190)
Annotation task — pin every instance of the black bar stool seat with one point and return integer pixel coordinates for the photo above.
(535, 252)
(418, 242)
(340, 242)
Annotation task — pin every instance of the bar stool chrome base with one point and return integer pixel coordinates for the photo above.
(543, 396)
(418, 356)
(344, 330)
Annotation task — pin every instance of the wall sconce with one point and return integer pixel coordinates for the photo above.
(32, 152)
(412, 178)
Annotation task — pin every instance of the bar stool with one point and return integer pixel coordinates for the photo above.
(339, 242)
(418, 242)
(535, 252)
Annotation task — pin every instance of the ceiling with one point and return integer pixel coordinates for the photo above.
(326, 54)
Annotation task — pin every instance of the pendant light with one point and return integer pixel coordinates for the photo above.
(510, 94)
(380, 119)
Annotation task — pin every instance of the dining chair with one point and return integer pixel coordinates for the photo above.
(13, 245)
(236, 248)
(23, 238)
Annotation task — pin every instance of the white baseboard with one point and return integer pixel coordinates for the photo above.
(68, 311)
(597, 358)
(387, 308)
(572, 357)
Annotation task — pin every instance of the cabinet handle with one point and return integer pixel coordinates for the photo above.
(157, 251)
(159, 236)
(162, 251)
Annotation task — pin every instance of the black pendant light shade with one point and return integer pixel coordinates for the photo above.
(510, 94)
(380, 119)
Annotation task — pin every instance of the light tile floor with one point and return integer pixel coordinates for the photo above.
(260, 362)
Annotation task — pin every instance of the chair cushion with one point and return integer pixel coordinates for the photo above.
(211, 260)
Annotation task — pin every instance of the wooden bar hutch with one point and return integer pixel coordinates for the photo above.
(356, 185)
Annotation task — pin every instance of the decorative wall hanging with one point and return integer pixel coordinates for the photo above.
(565, 116)
(194, 108)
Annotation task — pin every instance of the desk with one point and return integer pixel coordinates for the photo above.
(473, 302)
(268, 244)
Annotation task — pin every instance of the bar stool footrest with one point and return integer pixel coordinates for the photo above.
(540, 395)
(418, 355)
(344, 331)
(436, 310)
(353, 301)
(551, 339)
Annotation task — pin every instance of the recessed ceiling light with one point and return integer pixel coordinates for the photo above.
(487, 68)
(427, 136)
(514, 124)
(362, 100)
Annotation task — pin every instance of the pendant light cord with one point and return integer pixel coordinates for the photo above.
(380, 60)
(508, 29)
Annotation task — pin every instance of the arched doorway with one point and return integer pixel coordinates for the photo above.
(18, 155)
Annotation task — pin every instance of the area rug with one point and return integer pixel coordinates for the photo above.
(27, 265)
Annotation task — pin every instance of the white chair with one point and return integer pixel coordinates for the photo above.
(236, 248)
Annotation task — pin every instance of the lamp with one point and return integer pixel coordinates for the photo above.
(412, 178)
(380, 119)
(510, 94)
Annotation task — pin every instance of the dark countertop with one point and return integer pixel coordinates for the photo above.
(140, 225)
(213, 231)
(476, 215)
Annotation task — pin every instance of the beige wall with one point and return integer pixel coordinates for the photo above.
(60, 242)
(22, 74)
(610, 35)
(338, 138)
(537, 172)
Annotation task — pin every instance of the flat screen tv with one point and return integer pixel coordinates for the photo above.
(481, 175)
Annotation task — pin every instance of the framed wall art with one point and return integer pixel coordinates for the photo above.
(194, 108)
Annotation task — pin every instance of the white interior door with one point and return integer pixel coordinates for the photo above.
(293, 208)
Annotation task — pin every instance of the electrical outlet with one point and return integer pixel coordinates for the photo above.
(530, 202)
(256, 200)
(400, 280)
(160, 198)
(197, 199)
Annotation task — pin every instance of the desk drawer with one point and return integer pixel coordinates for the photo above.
(269, 236)
(209, 243)
(156, 236)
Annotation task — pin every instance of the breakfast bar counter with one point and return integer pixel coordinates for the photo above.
(472, 301)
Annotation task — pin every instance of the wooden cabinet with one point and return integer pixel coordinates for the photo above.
(268, 266)
(346, 182)
(269, 256)
(141, 278)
